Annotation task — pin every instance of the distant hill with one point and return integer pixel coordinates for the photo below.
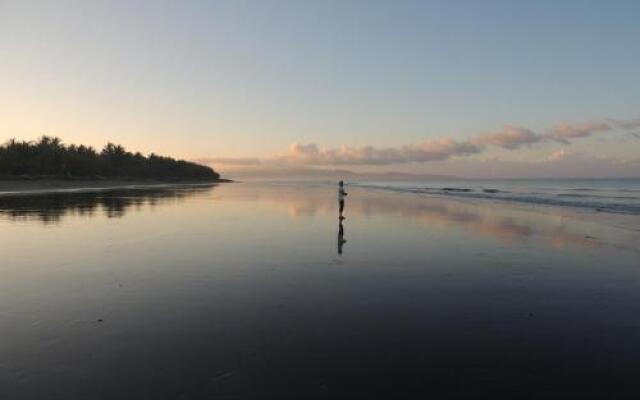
(50, 158)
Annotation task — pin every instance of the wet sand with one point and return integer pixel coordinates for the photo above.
(39, 186)
(240, 291)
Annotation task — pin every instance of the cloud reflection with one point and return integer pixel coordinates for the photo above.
(509, 225)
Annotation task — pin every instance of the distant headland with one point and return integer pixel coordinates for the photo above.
(48, 164)
(49, 158)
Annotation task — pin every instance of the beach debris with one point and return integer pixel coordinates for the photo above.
(100, 320)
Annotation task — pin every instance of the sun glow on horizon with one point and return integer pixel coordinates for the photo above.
(406, 86)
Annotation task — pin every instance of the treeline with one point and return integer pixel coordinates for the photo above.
(49, 157)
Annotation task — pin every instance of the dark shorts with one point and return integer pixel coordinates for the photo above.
(341, 202)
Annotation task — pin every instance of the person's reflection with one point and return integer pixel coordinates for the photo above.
(341, 239)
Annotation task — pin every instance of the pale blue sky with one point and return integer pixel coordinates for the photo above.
(241, 78)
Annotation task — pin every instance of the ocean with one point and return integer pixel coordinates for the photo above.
(600, 195)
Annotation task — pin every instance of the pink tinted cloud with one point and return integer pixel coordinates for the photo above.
(430, 150)
(563, 132)
(509, 137)
(243, 161)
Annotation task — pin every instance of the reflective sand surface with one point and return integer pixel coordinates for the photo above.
(239, 291)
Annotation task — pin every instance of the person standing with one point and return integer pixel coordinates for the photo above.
(341, 195)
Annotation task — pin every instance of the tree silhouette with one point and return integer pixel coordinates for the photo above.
(49, 157)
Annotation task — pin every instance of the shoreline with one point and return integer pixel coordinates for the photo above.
(627, 222)
(45, 186)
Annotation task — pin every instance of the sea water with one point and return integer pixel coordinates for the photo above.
(601, 195)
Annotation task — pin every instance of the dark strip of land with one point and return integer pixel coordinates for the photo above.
(38, 186)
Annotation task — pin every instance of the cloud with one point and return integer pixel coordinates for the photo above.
(628, 124)
(559, 155)
(513, 137)
(559, 164)
(430, 150)
(311, 155)
(248, 161)
(562, 131)
(509, 137)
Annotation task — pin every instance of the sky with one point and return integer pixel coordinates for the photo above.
(469, 88)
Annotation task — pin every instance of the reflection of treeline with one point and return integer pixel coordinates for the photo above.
(50, 157)
(52, 207)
